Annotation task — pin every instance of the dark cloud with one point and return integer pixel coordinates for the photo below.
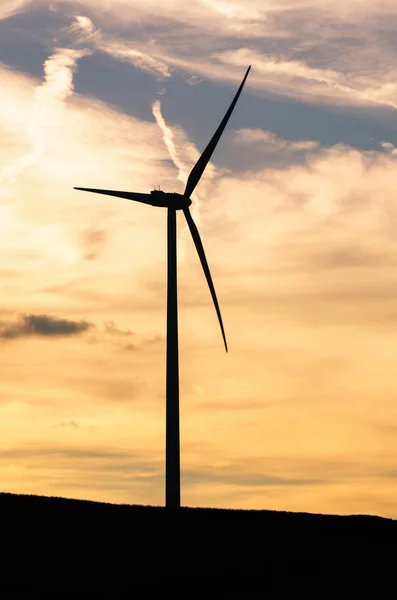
(49, 327)
(43, 326)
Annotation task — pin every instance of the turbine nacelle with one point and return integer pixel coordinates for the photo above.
(169, 200)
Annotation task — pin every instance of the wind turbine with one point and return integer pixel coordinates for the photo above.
(174, 202)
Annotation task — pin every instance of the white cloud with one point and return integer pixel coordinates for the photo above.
(118, 49)
(12, 7)
(319, 52)
(56, 87)
(53, 141)
(271, 142)
(330, 52)
(389, 147)
(272, 65)
(58, 74)
(130, 54)
(83, 28)
(295, 78)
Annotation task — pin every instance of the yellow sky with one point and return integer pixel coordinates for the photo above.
(300, 415)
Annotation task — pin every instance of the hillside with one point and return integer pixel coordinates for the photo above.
(55, 541)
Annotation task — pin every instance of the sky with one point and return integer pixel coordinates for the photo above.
(297, 213)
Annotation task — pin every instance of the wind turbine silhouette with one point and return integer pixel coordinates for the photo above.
(174, 202)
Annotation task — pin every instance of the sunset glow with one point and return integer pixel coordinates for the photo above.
(297, 213)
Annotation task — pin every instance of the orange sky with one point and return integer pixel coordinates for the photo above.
(302, 413)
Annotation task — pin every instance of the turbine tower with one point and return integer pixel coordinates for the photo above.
(174, 202)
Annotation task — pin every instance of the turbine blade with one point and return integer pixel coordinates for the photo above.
(145, 198)
(204, 264)
(202, 162)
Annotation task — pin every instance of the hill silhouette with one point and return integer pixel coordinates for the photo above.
(62, 545)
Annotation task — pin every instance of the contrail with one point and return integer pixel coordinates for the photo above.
(186, 149)
(168, 138)
(183, 172)
(183, 169)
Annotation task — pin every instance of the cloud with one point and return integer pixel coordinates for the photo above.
(9, 8)
(117, 48)
(55, 88)
(42, 326)
(90, 472)
(168, 138)
(270, 142)
(72, 423)
(43, 220)
(130, 347)
(389, 147)
(354, 257)
(93, 241)
(130, 54)
(273, 65)
(297, 79)
(117, 473)
(58, 75)
(83, 28)
(317, 52)
(218, 17)
(233, 10)
(230, 475)
(122, 337)
(112, 329)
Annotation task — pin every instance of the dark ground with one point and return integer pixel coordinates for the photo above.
(57, 547)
